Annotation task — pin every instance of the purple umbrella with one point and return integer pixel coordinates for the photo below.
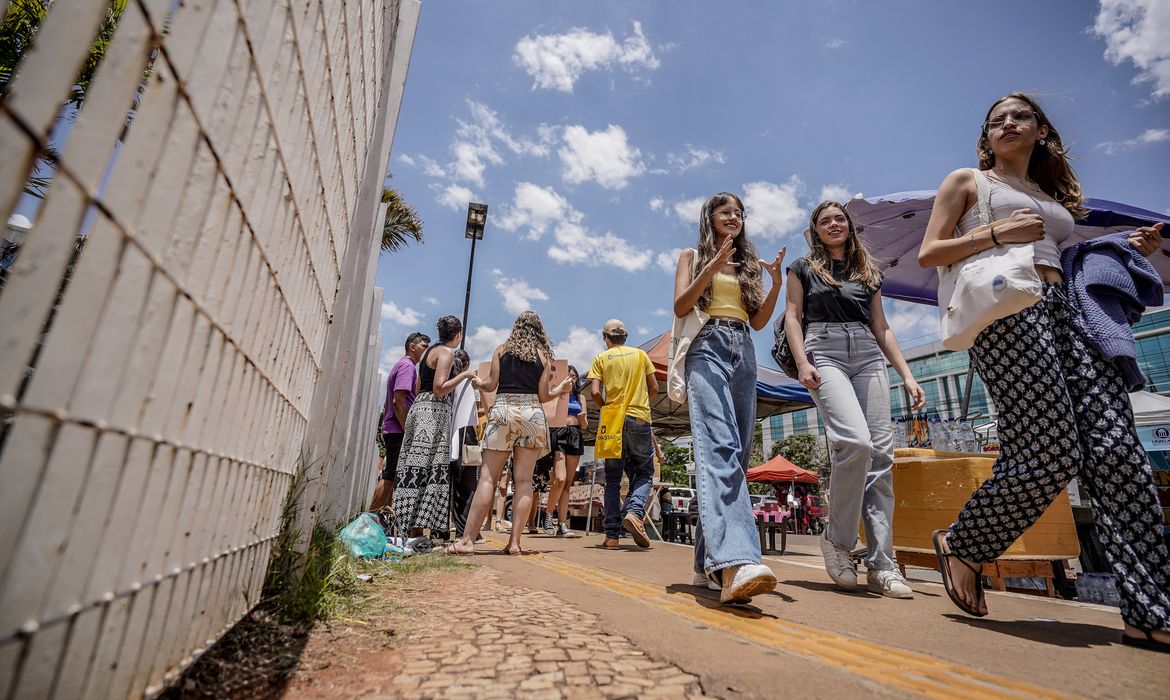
(893, 225)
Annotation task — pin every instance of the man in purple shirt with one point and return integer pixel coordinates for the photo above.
(400, 393)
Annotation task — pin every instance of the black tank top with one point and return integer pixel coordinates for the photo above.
(426, 375)
(518, 376)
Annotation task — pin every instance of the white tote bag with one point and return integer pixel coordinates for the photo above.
(682, 332)
(979, 290)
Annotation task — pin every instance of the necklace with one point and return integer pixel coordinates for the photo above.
(1008, 179)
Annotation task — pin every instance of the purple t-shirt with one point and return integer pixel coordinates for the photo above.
(401, 379)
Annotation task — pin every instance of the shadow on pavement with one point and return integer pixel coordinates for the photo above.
(1061, 634)
(821, 587)
(710, 599)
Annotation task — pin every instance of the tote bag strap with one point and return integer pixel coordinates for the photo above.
(982, 196)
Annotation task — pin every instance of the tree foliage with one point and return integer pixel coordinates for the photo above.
(674, 466)
(805, 451)
(402, 223)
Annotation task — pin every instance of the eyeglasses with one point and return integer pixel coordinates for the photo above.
(1017, 116)
(733, 214)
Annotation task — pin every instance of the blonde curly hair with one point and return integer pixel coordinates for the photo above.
(527, 337)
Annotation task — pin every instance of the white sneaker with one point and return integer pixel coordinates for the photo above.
(564, 530)
(889, 583)
(839, 564)
(749, 580)
(700, 579)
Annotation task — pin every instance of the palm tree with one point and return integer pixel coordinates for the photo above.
(402, 222)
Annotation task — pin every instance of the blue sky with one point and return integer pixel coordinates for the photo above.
(593, 130)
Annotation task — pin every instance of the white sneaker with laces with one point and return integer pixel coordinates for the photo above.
(564, 530)
(839, 564)
(889, 583)
(747, 581)
(700, 579)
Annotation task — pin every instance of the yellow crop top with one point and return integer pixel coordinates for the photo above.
(725, 298)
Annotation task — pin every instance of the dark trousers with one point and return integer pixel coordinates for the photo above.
(1064, 413)
(464, 480)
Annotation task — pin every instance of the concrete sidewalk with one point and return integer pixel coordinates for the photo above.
(809, 639)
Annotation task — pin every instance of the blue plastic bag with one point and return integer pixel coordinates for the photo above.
(364, 537)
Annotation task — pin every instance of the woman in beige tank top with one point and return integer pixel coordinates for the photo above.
(1063, 410)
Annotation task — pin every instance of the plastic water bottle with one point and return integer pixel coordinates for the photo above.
(1110, 595)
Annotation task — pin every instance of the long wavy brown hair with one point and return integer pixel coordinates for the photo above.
(860, 266)
(527, 337)
(749, 272)
(1049, 165)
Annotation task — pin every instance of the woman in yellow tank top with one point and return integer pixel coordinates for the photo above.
(720, 367)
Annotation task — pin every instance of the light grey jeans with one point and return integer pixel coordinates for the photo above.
(854, 401)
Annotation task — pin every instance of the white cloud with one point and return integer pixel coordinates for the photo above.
(835, 43)
(668, 260)
(1138, 31)
(483, 342)
(454, 196)
(913, 324)
(660, 312)
(605, 157)
(431, 300)
(688, 210)
(576, 244)
(431, 167)
(835, 193)
(1147, 137)
(474, 147)
(405, 317)
(556, 61)
(645, 331)
(535, 208)
(404, 158)
(580, 348)
(541, 208)
(518, 294)
(693, 158)
(657, 203)
(774, 211)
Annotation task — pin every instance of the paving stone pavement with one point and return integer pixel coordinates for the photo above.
(486, 640)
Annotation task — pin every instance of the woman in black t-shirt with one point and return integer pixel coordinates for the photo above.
(841, 353)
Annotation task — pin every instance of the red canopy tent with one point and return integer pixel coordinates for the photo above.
(780, 469)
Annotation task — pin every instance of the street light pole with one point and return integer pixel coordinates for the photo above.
(476, 219)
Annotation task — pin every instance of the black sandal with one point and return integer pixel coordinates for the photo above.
(945, 570)
(1149, 643)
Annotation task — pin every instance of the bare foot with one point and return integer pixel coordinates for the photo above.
(460, 547)
(963, 578)
(1159, 635)
(513, 550)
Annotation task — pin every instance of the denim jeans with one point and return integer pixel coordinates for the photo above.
(721, 400)
(637, 462)
(854, 402)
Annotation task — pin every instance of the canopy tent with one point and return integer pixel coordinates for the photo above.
(775, 394)
(893, 225)
(1150, 408)
(780, 469)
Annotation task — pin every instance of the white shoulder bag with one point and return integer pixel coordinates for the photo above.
(682, 332)
(979, 290)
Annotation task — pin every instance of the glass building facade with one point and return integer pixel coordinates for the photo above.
(942, 374)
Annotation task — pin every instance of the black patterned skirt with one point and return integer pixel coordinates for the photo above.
(421, 494)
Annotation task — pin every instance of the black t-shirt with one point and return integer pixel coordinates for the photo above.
(824, 303)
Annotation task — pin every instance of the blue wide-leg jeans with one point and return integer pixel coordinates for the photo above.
(721, 400)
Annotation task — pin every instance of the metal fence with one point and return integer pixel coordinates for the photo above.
(190, 312)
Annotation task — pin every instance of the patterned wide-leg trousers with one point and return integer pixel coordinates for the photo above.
(1064, 413)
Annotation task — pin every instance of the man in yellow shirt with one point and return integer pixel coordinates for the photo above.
(628, 378)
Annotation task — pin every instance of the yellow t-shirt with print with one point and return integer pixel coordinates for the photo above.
(623, 371)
